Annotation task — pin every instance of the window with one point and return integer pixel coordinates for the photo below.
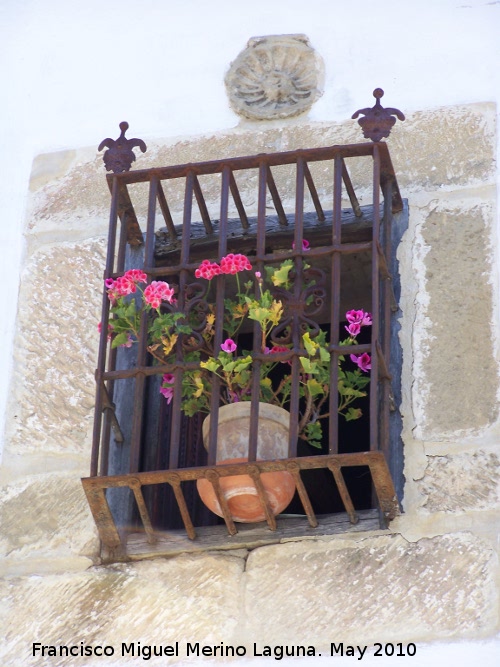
(146, 456)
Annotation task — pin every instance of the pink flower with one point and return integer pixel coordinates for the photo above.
(156, 292)
(125, 284)
(258, 275)
(169, 378)
(235, 263)
(363, 361)
(354, 328)
(228, 345)
(207, 270)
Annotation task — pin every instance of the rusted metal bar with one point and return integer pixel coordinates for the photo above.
(200, 199)
(107, 404)
(167, 216)
(249, 162)
(184, 275)
(219, 316)
(254, 473)
(350, 191)
(140, 380)
(343, 491)
(375, 329)
(276, 199)
(135, 485)
(101, 359)
(294, 469)
(297, 296)
(384, 488)
(387, 302)
(237, 199)
(175, 483)
(213, 477)
(257, 333)
(103, 518)
(333, 434)
(314, 193)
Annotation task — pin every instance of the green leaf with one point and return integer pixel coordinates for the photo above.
(352, 414)
(314, 387)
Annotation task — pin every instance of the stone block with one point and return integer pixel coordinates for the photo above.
(377, 589)
(46, 524)
(51, 407)
(461, 482)
(154, 602)
(458, 384)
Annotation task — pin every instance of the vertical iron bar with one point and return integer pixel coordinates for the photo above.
(140, 379)
(386, 332)
(374, 375)
(103, 341)
(219, 315)
(333, 444)
(297, 289)
(120, 265)
(257, 334)
(175, 428)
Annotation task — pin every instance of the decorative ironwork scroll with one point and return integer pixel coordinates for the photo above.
(377, 122)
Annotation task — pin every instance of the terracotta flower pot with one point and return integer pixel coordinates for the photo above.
(232, 447)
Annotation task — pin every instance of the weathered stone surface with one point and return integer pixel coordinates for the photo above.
(157, 602)
(445, 148)
(462, 482)
(56, 349)
(459, 381)
(380, 589)
(44, 519)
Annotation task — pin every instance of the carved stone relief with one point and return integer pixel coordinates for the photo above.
(276, 76)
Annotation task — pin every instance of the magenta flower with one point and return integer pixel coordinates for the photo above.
(228, 345)
(156, 292)
(168, 391)
(354, 328)
(363, 361)
(305, 245)
(360, 317)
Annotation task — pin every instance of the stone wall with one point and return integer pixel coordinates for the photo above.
(433, 574)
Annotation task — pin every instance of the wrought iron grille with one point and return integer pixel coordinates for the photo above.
(175, 252)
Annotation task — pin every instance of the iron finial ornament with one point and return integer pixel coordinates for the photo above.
(377, 122)
(119, 156)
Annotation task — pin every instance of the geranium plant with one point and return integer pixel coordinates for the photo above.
(189, 333)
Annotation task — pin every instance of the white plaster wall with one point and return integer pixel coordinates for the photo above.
(71, 71)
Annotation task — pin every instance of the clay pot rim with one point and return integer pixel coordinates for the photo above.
(241, 410)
